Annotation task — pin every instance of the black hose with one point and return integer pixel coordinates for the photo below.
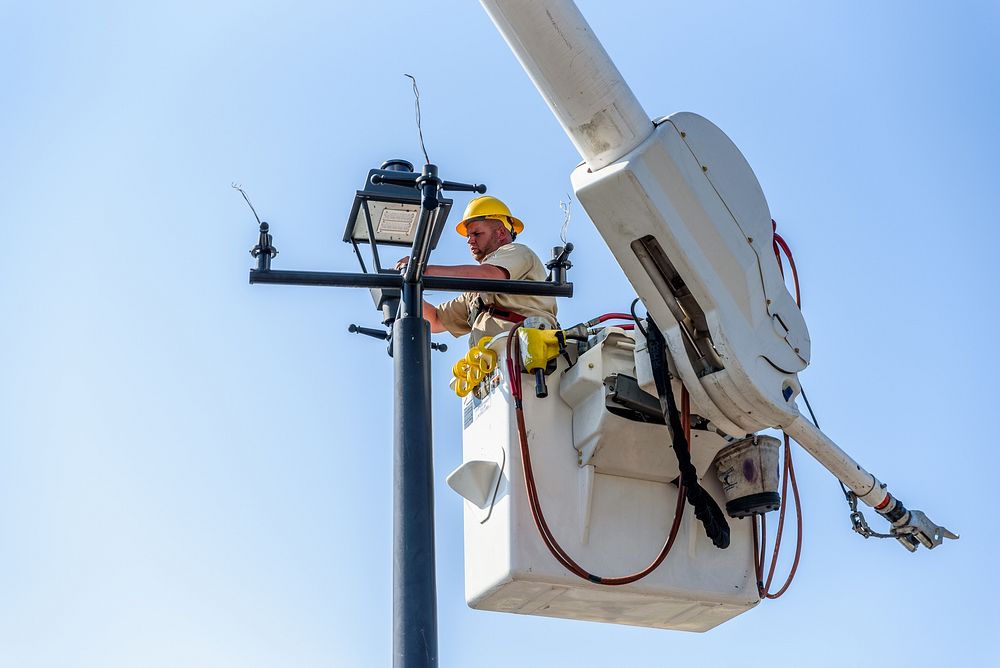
(705, 507)
(638, 322)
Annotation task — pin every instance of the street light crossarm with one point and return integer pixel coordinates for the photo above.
(406, 180)
(463, 187)
(393, 280)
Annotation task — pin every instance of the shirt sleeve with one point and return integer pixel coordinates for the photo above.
(515, 258)
(454, 315)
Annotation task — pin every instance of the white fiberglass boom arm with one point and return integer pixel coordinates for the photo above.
(575, 76)
(686, 219)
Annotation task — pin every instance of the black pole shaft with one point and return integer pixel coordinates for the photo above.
(414, 597)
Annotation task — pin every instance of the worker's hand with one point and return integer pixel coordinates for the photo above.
(403, 261)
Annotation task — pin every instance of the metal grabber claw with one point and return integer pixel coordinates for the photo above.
(915, 526)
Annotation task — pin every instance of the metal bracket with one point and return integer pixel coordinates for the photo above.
(626, 399)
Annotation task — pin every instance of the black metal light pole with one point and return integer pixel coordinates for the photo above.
(414, 597)
(414, 582)
(414, 594)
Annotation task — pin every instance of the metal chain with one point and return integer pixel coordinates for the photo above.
(859, 523)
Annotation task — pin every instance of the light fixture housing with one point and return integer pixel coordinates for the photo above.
(390, 213)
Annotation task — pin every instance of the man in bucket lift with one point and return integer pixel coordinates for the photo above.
(490, 230)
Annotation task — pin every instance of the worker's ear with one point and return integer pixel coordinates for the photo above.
(509, 226)
(500, 231)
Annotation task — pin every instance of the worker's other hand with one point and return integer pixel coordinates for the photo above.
(403, 261)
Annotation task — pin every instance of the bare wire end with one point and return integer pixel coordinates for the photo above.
(565, 207)
(420, 131)
(237, 186)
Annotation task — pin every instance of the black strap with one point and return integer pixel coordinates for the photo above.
(475, 308)
(504, 314)
(705, 507)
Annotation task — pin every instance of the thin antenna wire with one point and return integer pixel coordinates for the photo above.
(420, 131)
(565, 207)
(240, 188)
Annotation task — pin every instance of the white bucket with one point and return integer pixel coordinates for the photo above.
(748, 471)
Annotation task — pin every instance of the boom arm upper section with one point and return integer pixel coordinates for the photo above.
(573, 72)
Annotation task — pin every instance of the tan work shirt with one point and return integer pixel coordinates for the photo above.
(523, 265)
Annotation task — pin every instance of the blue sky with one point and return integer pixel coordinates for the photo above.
(197, 472)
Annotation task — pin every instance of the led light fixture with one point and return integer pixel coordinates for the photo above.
(388, 214)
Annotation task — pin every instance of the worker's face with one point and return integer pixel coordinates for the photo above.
(484, 237)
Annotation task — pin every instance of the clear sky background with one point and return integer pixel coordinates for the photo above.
(197, 472)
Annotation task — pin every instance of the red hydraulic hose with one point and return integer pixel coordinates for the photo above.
(791, 263)
(612, 316)
(777, 250)
(514, 373)
(780, 243)
(628, 328)
(798, 527)
(760, 542)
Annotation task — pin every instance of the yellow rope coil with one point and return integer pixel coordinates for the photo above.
(470, 370)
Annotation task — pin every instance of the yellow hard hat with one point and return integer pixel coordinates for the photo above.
(492, 208)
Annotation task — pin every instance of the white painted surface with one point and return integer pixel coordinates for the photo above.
(575, 76)
(721, 248)
(611, 524)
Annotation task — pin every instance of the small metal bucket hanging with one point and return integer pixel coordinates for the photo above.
(748, 470)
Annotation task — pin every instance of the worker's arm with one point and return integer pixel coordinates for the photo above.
(431, 316)
(468, 271)
(460, 270)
